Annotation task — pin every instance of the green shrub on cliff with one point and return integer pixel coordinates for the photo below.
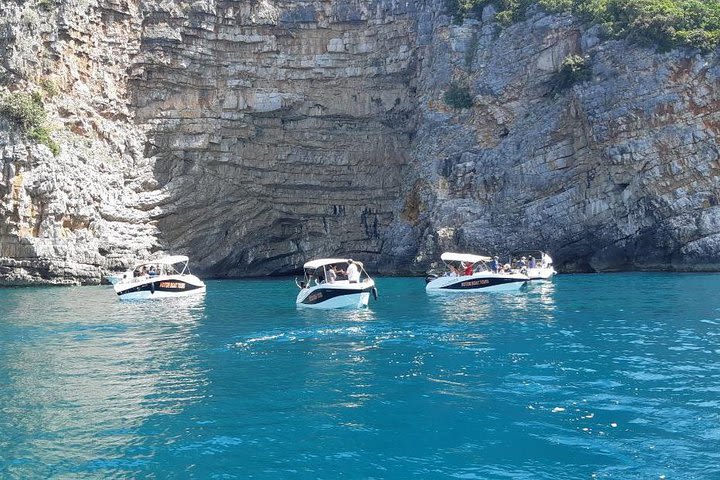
(24, 109)
(459, 9)
(46, 5)
(42, 136)
(508, 11)
(28, 111)
(574, 69)
(458, 96)
(665, 23)
(49, 87)
(661, 23)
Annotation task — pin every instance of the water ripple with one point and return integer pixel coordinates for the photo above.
(587, 377)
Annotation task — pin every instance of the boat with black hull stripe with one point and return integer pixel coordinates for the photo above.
(469, 273)
(335, 283)
(167, 277)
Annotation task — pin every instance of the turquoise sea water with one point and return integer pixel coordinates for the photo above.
(592, 376)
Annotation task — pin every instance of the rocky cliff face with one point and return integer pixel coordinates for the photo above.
(281, 129)
(255, 135)
(65, 219)
(619, 172)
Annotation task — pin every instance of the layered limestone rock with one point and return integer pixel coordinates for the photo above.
(619, 172)
(250, 136)
(255, 135)
(281, 128)
(67, 218)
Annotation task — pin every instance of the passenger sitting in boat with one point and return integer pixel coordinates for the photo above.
(506, 268)
(495, 264)
(353, 273)
(341, 274)
(468, 269)
(152, 271)
(521, 264)
(532, 263)
(331, 274)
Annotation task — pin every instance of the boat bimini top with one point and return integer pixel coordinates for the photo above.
(168, 261)
(323, 262)
(449, 257)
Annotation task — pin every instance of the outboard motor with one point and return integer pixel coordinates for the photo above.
(375, 294)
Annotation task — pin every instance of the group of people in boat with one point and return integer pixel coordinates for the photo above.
(152, 270)
(523, 263)
(334, 274)
(495, 266)
(465, 268)
(145, 271)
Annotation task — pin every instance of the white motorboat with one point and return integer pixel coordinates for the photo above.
(470, 273)
(535, 264)
(335, 283)
(167, 277)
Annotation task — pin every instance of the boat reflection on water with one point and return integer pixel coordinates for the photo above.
(461, 308)
(177, 310)
(348, 315)
(543, 293)
(529, 302)
(119, 365)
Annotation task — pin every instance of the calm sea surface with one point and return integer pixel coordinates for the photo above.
(591, 376)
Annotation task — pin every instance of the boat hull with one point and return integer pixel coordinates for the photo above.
(172, 286)
(541, 274)
(477, 283)
(330, 296)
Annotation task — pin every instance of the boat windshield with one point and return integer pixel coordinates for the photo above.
(159, 268)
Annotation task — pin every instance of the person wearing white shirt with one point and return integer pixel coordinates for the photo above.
(331, 274)
(353, 273)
